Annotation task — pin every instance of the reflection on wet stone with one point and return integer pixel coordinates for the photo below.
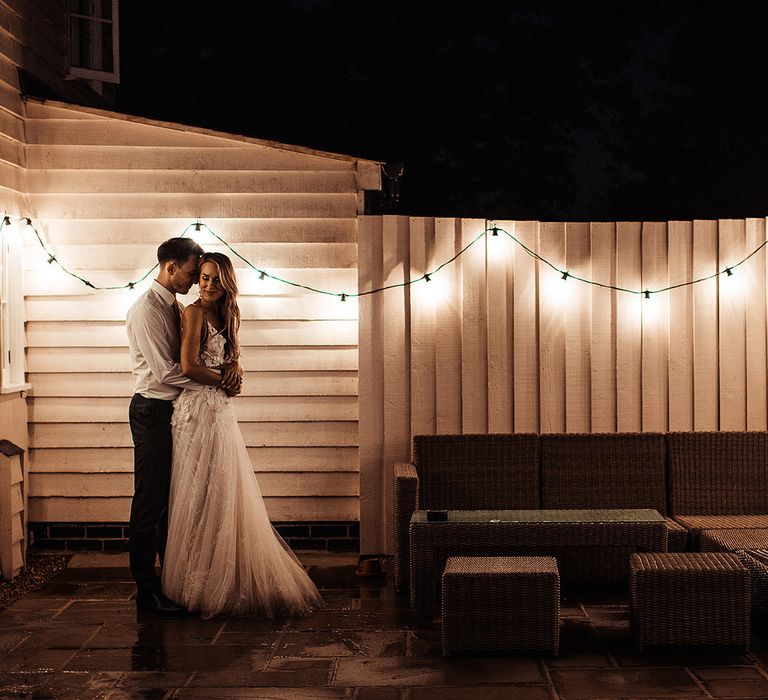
(79, 638)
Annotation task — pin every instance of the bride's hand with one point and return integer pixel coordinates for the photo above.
(231, 378)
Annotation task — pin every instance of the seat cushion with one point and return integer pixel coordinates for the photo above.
(696, 523)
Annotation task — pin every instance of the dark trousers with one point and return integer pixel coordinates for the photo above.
(150, 421)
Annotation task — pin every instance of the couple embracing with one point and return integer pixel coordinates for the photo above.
(197, 504)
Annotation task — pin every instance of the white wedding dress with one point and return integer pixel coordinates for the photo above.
(223, 557)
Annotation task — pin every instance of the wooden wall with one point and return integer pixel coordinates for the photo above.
(12, 156)
(498, 342)
(105, 191)
(34, 36)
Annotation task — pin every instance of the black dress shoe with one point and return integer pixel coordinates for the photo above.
(158, 604)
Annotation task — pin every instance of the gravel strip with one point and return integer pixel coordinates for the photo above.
(40, 568)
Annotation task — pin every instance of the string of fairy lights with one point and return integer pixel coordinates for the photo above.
(493, 230)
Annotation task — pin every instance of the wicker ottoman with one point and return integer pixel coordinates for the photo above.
(501, 604)
(689, 598)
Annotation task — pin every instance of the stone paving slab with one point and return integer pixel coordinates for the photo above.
(78, 637)
(588, 684)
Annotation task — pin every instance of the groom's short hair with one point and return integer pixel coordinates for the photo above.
(177, 249)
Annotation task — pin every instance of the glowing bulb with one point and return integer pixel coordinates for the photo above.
(433, 290)
(496, 245)
(555, 294)
(27, 232)
(201, 235)
(651, 306)
(732, 285)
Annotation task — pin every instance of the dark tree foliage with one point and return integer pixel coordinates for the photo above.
(546, 109)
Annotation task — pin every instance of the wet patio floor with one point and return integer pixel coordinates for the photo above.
(78, 637)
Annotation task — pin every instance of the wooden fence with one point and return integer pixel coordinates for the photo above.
(498, 342)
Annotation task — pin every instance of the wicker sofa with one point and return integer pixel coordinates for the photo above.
(696, 480)
(608, 470)
(718, 480)
(463, 472)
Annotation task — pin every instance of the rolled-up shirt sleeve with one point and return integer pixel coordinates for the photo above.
(150, 335)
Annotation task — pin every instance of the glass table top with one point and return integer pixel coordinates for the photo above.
(615, 515)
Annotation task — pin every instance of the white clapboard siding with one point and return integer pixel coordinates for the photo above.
(268, 434)
(105, 485)
(52, 334)
(297, 383)
(104, 190)
(509, 345)
(171, 182)
(40, 282)
(256, 359)
(234, 230)
(122, 256)
(12, 140)
(112, 307)
(151, 204)
(260, 409)
(273, 459)
(117, 509)
(107, 157)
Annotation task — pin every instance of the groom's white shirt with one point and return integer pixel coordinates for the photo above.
(154, 343)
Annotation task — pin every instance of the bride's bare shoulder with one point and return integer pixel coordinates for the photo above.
(192, 311)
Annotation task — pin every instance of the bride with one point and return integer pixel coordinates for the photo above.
(223, 556)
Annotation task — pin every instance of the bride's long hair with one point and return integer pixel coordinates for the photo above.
(228, 302)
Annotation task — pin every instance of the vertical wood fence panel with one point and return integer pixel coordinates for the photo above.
(396, 345)
(373, 470)
(680, 327)
(423, 383)
(705, 375)
(754, 275)
(500, 335)
(474, 345)
(445, 291)
(577, 331)
(505, 344)
(731, 321)
(525, 328)
(655, 331)
(603, 336)
(553, 298)
(628, 328)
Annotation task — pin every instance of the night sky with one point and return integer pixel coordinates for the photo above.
(548, 110)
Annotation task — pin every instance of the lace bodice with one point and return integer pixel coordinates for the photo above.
(212, 353)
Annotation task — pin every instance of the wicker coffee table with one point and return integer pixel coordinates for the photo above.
(590, 545)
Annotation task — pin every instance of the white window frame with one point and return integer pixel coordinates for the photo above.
(11, 311)
(112, 76)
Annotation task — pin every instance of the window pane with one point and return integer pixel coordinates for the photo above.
(101, 9)
(91, 45)
(106, 48)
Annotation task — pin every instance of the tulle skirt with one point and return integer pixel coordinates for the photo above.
(223, 557)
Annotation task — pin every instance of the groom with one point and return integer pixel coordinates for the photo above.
(154, 331)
